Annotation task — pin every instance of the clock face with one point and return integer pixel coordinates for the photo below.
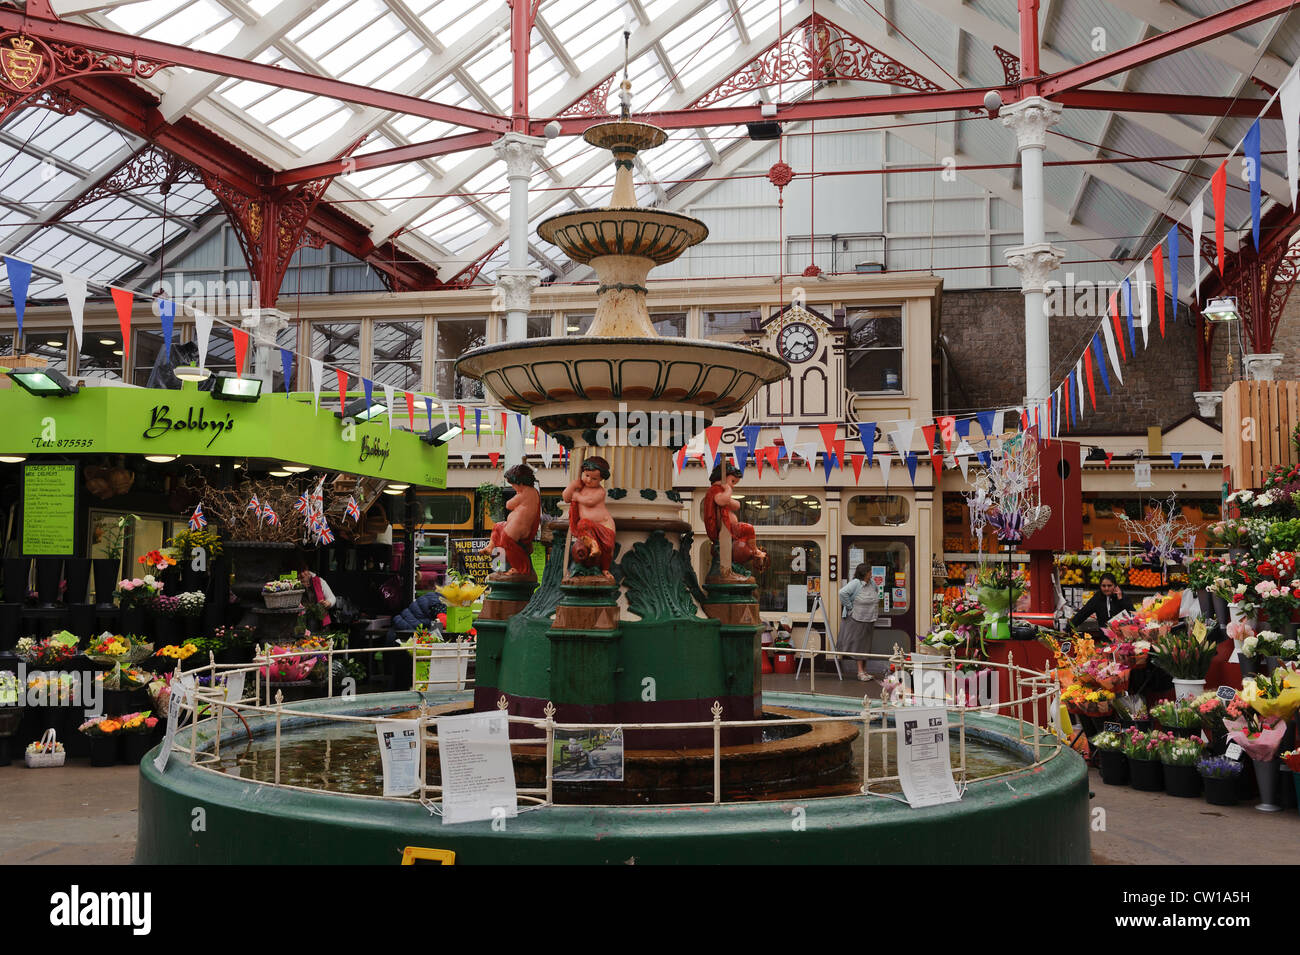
(797, 342)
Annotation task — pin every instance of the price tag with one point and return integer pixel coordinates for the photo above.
(1226, 693)
(1233, 751)
(1067, 647)
(1112, 728)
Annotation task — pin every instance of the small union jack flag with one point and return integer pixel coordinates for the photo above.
(326, 536)
(353, 509)
(303, 503)
(268, 513)
(197, 520)
(254, 505)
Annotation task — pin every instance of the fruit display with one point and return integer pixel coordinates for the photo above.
(1071, 576)
(1145, 577)
(956, 570)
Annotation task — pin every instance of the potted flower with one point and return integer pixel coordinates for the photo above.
(285, 664)
(1181, 718)
(1261, 738)
(134, 596)
(185, 543)
(1110, 757)
(1143, 752)
(282, 594)
(1179, 758)
(137, 735)
(439, 665)
(53, 652)
(190, 609)
(1185, 654)
(460, 592)
(1219, 777)
(230, 644)
(166, 623)
(109, 537)
(783, 660)
(167, 658)
(104, 733)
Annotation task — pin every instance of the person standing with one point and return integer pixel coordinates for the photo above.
(1105, 603)
(319, 596)
(860, 601)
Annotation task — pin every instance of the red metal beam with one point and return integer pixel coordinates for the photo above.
(1028, 10)
(107, 41)
(1173, 103)
(1164, 44)
(384, 157)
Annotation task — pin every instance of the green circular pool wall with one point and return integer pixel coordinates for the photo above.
(1040, 815)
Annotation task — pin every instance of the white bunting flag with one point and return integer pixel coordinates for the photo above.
(1289, 94)
(808, 452)
(1143, 303)
(789, 437)
(1108, 333)
(388, 403)
(1197, 212)
(886, 462)
(902, 435)
(202, 332)
(74, 290)
(446, 414)
(546, 452)
(1057, 405)
(1078, 380)
(998, 419)
(965, 466)
(317, 379)
(465, 457)
(1207, 457)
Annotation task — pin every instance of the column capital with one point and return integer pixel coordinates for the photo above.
(1207, 402)
(1262, 366)
(1030, 118)
(515, 289)
(1034, 263)
(264, 323)
(519, 152)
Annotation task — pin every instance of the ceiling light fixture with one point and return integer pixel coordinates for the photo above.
(192, 373)
(12, 458)
(295, 468)
(161, 458)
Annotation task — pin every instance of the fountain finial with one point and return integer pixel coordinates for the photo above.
(625, 88)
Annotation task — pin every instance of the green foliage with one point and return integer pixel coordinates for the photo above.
(655, 575)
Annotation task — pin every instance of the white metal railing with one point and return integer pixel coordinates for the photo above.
(1027, 689)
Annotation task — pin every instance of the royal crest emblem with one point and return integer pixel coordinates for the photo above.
(20, 64)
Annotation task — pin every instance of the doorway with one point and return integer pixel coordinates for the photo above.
(892, 564)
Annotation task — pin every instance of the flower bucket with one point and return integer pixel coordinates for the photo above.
(1114, 767)
(103, 751)
(1147, 775)
(1267, 775)
(443, 667)
(459, 619)
(1220, 791)
(784, 661)
(1188, 689)
(1182, 781)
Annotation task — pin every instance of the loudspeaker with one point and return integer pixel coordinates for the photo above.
(1060, 487)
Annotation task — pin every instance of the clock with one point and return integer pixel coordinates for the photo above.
(797, 342)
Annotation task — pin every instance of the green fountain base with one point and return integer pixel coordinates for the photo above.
(1039, 815)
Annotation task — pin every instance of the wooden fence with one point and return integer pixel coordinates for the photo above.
(1259, 418)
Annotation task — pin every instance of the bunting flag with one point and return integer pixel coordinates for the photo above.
(20, 279)
(460, 410)
(1289, 95)
(1101, 361)
(123, 299)
(547, 452)
(342, 377)
(986, 458)
(428, 412)
(902, 435)
(389, 404)
(1176, 457)
(352, 509)
(286, 367)
(998, 417)
(1197, 212)
(751, 440)
(963, 428)
(739, 458)
(1128, 307)
(911, 466)
(166, 317)
(1158, 264)
(519, 424)
(1092, 389)
(1207, 457)
(828, 464)
(74, 290)
(466, 457)
(867, 435)
(985, 418)
(478, 421)
(856, 461)
(197, 520)
(1173, 271)
(368, 389)
(410, 410)
(493, 456)
(1068, 388)
(1254, 175)
(789, 437)
(1078, 380)
(713, 435)
(1119, 332)
(1219, 193)
(1108, 334)
(828, 430)
(240, 338)
(773, 455)
(1109, 455)
(965, 467)
(681, 460)
(886, 462)
(947, 430)
(504, 425)
(317, 379)
(1144, 305)
(936, 458)
(203, 334)
(839, 451)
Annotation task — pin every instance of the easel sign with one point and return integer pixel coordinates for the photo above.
(802, 650)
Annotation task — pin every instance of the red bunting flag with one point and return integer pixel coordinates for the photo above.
(828, 435)
(503, 425)
(343, 389)
(856, 460)
(534, 435)
(839, 452)
(1219, 189)
(1087, 364)
(460, 409)
(123, 299)
(948, 430)
(410, 409)
(1109, 455)
(241, 349)
(1158, 260)
(681, 459)
(492, 457)
(713, 435)
(936, 458)
(1114, 317)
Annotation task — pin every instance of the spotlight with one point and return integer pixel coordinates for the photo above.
(161, 458)
(392, 490)
(192, 373)
(230, 388)
(441, 434)
(55, 343)
(359, 411)
(43, 382)
(552, 129)
(765, 130)
(1221, 310)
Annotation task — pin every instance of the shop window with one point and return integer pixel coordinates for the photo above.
(6, 344)
(397, 358)
(52, 346)
(453, 338)
(577, 323)
(729, 326)
(772, 510)
(146, 348)
(879, 510)
(221, 351)
(539, 326)
(793, 576)
(873, 352)
(101, 355)
(444, 510)
(669, 324)
(335, 343)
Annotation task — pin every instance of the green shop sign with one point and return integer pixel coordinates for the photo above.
(189, 421)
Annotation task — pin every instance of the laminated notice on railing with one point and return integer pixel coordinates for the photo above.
(478, 778)
(235, 687)
(173, 717)
(924, 761)
(399, 747)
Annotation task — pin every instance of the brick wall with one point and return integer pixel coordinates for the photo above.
(985, 334)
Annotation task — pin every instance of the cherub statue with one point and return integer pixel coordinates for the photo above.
(515, 535)
(718, 509)
(591, 527)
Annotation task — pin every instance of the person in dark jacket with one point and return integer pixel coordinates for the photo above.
(1105, 603)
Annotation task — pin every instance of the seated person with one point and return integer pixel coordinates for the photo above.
(1105, 603)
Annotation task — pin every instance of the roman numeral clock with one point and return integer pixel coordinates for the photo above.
(814, 392)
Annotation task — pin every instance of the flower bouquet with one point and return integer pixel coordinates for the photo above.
(1132, 707)
(1292, 760)
(156, 561)
(460, 592)
(1108, 674)
(285, 664)
(174, 652)
(119, 654)
(1087, 701)
(100, 727)
(52, 651)
(104, 732)
(1183, 652)
(1180, 717)
(138, 723)
(997, 590)
(138, 591)
(1274, 696)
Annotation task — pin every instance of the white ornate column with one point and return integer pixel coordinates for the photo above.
(515, 282)
(1262, 366)
(1036, 258)
(264, 326)
(1207, 403)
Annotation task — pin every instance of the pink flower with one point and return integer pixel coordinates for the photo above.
(126, 585)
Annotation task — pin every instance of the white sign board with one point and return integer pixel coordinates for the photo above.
(878, 576)
(924, 762)
(478, 778)
(399, 748)
(173, 717)
(796, 598)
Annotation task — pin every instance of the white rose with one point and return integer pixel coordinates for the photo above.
(1248, 646)
(1288, 645)
(149, 580)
